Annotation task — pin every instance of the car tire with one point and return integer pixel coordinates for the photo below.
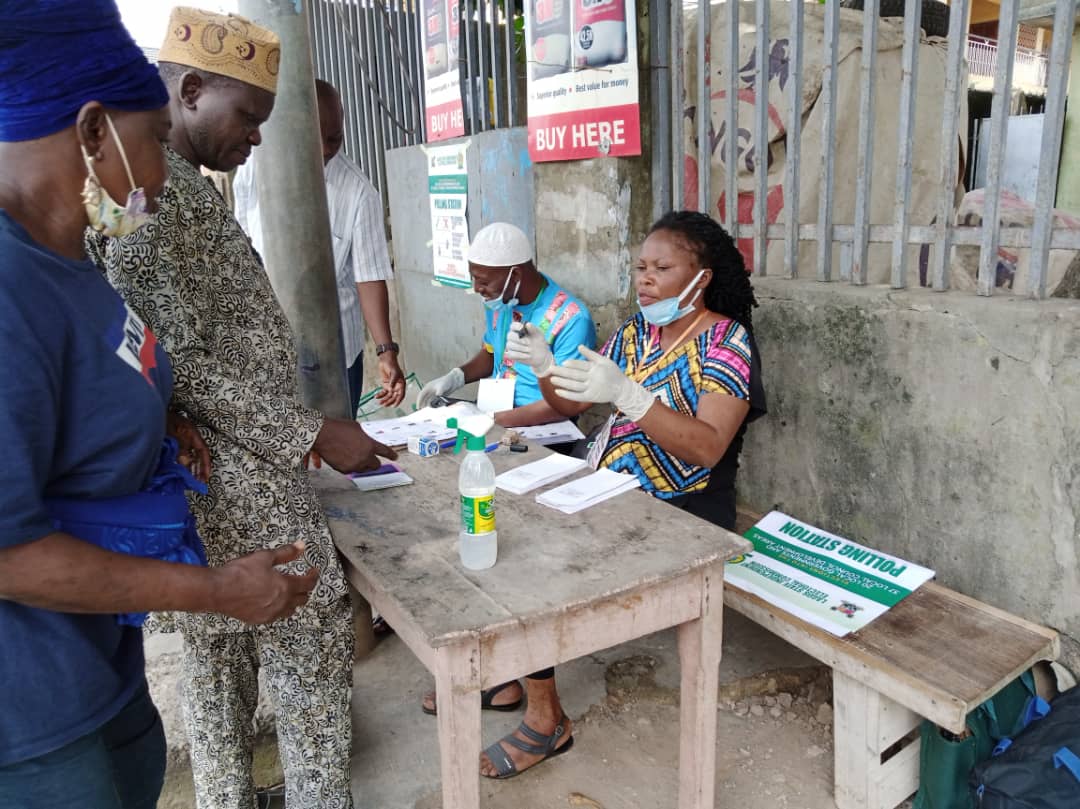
(934, 20)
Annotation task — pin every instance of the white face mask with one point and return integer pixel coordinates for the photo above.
(668, 311)
(105, 214)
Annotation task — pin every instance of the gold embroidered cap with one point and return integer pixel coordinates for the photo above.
(224, 44)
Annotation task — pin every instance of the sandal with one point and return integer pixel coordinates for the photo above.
(380, 628)
(486, 698)
(270, 797)
(545, 746)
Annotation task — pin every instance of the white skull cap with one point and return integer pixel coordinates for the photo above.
(500, 244)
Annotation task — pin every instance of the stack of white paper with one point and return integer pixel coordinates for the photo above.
(557, 432)
(427, 423)
(579, 494)
(538, 473)
(381, 480)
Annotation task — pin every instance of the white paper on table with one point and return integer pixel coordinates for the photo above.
(533, 475)
(428, 422)
(495, 395)
(557, 432)
(581, 493)
(372, 483)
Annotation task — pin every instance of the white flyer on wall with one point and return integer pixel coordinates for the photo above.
(448, 190)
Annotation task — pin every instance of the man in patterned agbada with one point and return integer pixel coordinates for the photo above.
(193, 276)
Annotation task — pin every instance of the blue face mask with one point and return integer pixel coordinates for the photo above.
(497, 304)
(667, 311)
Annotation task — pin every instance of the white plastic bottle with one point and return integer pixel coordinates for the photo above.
(478, 541)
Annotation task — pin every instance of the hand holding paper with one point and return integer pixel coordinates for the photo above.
(597, 379)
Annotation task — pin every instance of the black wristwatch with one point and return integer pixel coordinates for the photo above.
(382, 348)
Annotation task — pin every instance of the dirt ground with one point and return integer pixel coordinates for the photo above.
(774, 749)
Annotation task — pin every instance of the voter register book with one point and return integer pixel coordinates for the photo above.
(828, 581)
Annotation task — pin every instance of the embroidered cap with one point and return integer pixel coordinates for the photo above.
(500, 244)
(224, 44)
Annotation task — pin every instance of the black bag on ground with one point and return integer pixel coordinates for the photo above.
(945, 760)
(1040, 768)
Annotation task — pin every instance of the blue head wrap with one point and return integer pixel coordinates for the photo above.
(56, 55)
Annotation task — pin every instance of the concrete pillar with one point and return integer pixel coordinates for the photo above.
(1068, 196)
(296, 229)
(292, 207)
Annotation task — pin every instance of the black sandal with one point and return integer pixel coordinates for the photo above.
(380, 628)
(486, 698)
(545, 746)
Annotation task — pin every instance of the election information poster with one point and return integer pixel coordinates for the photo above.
(828, 581)
(582, 80)
(443, 113)
(448, 190)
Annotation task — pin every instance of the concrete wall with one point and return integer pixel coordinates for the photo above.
(441, 327)
(939, 427)
(585, 217)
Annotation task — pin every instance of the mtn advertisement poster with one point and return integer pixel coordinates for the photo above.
(582, 79)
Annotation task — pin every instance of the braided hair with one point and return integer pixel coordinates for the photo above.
(729, 292)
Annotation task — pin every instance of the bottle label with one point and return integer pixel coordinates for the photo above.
(478, 514)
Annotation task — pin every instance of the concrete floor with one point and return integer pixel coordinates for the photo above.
(774, 748)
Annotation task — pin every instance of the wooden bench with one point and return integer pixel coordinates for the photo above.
(937, 654)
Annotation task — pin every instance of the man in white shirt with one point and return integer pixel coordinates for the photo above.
(361, 260)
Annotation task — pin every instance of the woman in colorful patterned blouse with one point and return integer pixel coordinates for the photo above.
(683, 373)
(684, 377)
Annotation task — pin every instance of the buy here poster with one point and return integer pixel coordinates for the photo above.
(582, 80)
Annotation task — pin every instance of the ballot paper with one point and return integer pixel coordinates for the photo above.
(385, 477)
(428, 422)
(495, 395)
(533, 475)
(581, 493)
(558, 432)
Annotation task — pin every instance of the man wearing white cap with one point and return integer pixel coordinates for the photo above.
(192, 275)
(515, 293)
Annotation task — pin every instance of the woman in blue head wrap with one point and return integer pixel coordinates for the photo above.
(94, 526)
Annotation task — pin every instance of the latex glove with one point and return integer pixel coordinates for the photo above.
(598, 379)
(441, 386)
(530, 348)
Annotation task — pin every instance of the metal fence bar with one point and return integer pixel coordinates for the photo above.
(761, 138)
(860, 247)
(704, 106)
(678, 103)
(511, 62)
(420, 66)
(660, 93)
(493, 27)
(470, 85)
(378, 36)
(349, 79)
(950, 163)
(731, 125)
(828, 106)
(999, 123)
(482, 91)
(1050, 151)
(794, 141)
(908, 93)
(378, 120)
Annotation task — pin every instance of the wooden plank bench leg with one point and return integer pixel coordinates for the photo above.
(699, 660)
(457, 684)
(866, 724)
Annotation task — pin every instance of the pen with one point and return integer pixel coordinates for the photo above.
(449, 442)
(492, 447)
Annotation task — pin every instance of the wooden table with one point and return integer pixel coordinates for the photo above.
(564, 586)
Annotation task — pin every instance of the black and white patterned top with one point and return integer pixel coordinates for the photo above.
(192, 275)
